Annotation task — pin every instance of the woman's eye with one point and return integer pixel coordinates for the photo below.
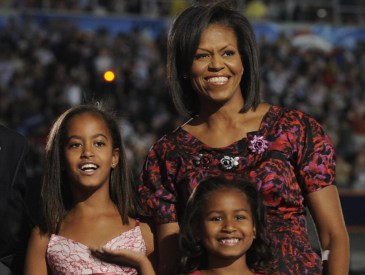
(201, 55)
(228, 53)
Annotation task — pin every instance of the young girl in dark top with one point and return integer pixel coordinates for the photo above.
(223, 229)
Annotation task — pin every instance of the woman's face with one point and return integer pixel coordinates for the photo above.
(217, 67)
(89, 152)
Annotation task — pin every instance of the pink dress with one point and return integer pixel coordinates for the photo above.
(69, 257)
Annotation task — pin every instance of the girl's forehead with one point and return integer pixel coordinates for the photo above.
(225, 189)
(217, 194)
(80, 118)
(87, 122)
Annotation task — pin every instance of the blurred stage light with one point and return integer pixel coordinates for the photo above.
(321, 13)
(109, 76)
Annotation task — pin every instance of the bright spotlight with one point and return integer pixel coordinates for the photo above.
(109, 76)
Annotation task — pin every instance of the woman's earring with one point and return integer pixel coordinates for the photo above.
(185, 76)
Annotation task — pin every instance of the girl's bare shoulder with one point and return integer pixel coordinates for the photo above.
(148, 234)
(40, 236)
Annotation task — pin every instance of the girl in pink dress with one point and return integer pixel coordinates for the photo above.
(90, 223)
(223, 230)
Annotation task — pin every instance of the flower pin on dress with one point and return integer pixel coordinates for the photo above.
(258, 144)
(203, 160)
(229, 162)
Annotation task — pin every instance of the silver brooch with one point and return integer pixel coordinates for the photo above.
(229, 162)
(258, 144)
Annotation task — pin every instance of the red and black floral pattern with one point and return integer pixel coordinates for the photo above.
(297, 159)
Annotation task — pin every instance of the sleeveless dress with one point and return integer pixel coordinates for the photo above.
(288, 157)
(69, 257)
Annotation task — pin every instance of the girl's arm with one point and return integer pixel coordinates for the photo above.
(326, 211)
(35, 261)
(148, 233)
(168, 252)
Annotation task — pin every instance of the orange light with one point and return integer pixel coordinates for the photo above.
(109, 76)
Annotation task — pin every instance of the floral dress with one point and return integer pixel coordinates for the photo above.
(69, 257)
(287, 158)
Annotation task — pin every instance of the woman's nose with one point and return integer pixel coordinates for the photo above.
(216, 63)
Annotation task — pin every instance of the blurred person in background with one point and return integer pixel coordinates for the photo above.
(358, 171)
(15, 213)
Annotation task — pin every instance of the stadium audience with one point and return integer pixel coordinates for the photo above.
(47, 69)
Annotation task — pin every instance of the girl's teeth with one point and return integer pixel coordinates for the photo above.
(229, 241)
(88, 167)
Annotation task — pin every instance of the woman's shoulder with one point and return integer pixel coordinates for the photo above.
(286, 115)
(170, 140)
(293, 112)
(169, 137)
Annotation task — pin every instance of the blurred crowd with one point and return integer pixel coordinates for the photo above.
(46, 69)
(338, 12)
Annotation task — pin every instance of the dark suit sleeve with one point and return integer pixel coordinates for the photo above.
(16, 222)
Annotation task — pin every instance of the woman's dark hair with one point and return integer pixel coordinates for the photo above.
(55, 193)
(194, 255)
(183, 41)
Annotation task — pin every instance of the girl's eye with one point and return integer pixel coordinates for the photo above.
(99, 143)
(228, 53)
(216, 219)
(241, 217)
(74, 145)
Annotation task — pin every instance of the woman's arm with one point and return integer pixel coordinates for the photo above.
(168, 248)
(35, 261)
(325, 208)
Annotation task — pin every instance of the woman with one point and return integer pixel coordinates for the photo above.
(214, 79)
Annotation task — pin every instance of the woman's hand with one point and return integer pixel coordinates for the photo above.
(125, 257)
